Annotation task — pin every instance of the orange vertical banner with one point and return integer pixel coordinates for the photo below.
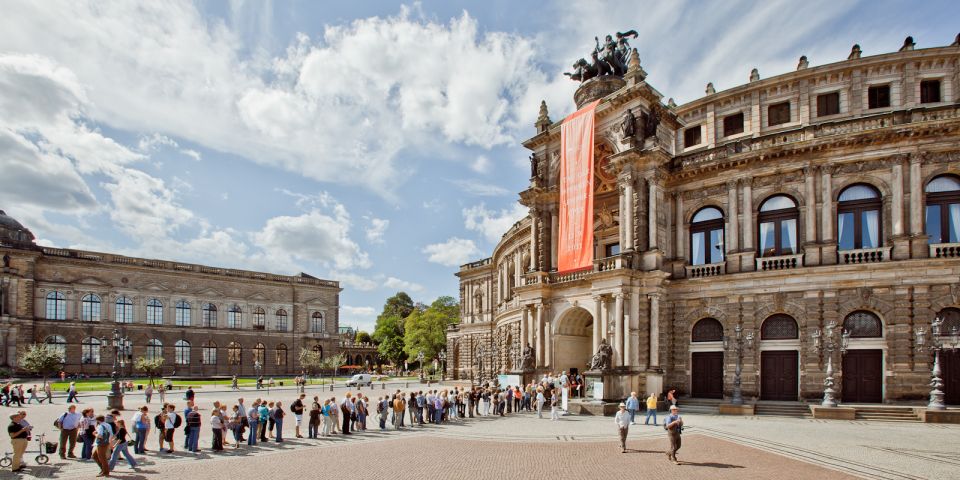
(576, 190)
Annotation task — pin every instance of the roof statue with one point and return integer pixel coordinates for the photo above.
(610, 57)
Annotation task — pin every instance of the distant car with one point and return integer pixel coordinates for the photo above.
(360, 380)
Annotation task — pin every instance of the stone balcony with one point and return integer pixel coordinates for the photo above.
(864, 255)
(707, 270)
(944, 250)
(780, 262)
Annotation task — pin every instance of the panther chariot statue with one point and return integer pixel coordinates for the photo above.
(607, 58)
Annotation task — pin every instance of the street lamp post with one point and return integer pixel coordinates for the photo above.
(479, 364)
(443, 364)
(827, 340)
(420, 362)
(937, 343)
(115, 397)
(738, 344)
(257, 368)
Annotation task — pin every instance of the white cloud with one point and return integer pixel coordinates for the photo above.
(452, 253)
(361, 318)
(481, 164)
(480, 189)
(377, 228)
(490, 223)
(191, 153)
(359, 282)
(316, 236)
(394, 283)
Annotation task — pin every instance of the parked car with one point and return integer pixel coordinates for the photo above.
(360, 380)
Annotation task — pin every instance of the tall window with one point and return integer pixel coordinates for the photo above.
(56, 306)
(124, 310)
(316, 323)
(90, 350)
(863, 324)
(878, 96)
(706, 236)
(858, 217)
(282, 320)
(154, 349)
(209, 314)
(58, 344)
(233, 353)
(259, 318)
(828, 104)
(233, 317)
(281, 355)
(778, 114)
(778, 226)
(183, 314)
(943, 210)
(181, 352)
(733, 124)
(90, 308)
(691, 136)
(930, 91)
(210, 353)
(154, 312)
(707, 330)
(258, 353)
(779, 327)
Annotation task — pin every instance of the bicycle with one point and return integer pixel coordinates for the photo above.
(50, 447)
(7, 460)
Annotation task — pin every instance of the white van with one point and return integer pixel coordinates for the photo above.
(360, 380)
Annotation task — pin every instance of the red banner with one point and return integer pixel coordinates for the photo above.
(576, 190)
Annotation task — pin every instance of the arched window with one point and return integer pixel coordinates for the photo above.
(858, 218)
(155, 312)
(154, 349)
(319, 349)
(209, 313)
(779, 327)
(777, 231)
(281, 355)
(258, 353)
(863, 324)
(943, 210)
(281, 320)
(56, 306)
(259, 318)
(316, 323)
(707, 330)
(90, 350)
(233, 317)
(90, 308)
(183, 314)
(58, 344)
(233, 353)
(706, 236)
(181, 352)
(124, 309)
(210, 353)
(951, 321)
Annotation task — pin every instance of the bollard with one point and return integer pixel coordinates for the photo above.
(383, 386)
(331, 387)
(406, 385)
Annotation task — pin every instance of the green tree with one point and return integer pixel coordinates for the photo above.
(311, 361)
(400, 305)
(389, 337)
(41, 359)
(426, 330)
(363, 337)
(151, 367)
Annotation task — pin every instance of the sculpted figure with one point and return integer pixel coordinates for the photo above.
(601, 359)
(527, 361)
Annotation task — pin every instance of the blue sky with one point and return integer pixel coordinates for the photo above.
(374, 143)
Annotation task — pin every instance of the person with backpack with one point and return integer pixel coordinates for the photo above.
(102, 436)
(68, 423)
(171, 423)
(141, 426)
(297, 408)
(48, 391)
(159, 422)
(325, 418)
(263, 412)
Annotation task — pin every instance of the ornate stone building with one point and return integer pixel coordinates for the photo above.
(204, 321)
(827, 195)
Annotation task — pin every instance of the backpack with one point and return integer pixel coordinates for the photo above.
(58, 423)
(157, 422)
(177, 421)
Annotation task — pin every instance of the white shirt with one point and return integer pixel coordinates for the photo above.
(622, 419)
(171, 420)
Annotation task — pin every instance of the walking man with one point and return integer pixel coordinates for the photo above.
(69, 423)
(623, 422)
(633, 404)
(101, 452)
(651, 409)
(674, 426)
(72, 393)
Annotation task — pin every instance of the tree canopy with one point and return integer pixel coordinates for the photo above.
(363, 337)
(404, 328)
(41, 359)
(151, 367)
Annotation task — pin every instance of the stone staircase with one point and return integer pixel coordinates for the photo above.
(886, 414)
(705, 406)
(782, 409)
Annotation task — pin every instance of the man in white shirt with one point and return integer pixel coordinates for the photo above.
(622, 420)
(69, 424)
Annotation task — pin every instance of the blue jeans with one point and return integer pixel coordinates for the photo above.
(252, 435)
(651, 412)
(122, 448)
(438, 415)
(86, 452)
(193, 440)
(141, 441)
(279, 426)
(633, 413)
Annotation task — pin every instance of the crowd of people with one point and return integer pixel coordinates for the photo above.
(11, 393)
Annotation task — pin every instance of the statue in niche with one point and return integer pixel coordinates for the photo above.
(478, 300)
(6, 261)
(527, 360)
(601, 360)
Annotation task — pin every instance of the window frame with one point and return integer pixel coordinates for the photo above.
(183, 314)
(154, 349)
(315, 325)
(858, 208)
(943, 200)
(939, 90)
(234, 354)
(152, 316)
(123, 310)
(281, 360)
(234, 316)
(259, 318)
(259, 353)
(90, 348)
(206, 350)
(765, 326)
(828, 103)
(59, 344)
(281, 320)
(726, 130)
(181, 352)
(770, 116)
(706, 227)
(871, 104)
(209, 315)
(59, 305)
(89, 303)
(688, 135)
(697, 334)
(777, 217)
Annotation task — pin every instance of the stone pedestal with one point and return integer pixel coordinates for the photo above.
(651, 260)
(940, 416)
(919, 248)
(834, 413)
(731, 409)
(901, 248)
(115, 397)
(597, 88)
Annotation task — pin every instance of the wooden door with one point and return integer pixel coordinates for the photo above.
(779, 375)
(707, 375)
(950, 371)
(862, 376)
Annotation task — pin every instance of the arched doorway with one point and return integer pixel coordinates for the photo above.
(779, 358)
(706, 359)
(950, 359)
(572, 340)
(862, 380)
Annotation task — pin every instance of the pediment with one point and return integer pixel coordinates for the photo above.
(91, 281)
(258, 296)
(210, 292)
(319, 301)
(155, 287)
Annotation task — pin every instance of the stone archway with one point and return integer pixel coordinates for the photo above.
(573, 340)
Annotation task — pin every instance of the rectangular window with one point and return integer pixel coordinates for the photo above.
(845, 231)
(768, 245)
(870, 233)
(930, 91)
(209, 355)
(733, 124)
(612, 249)
(696, 249)
(878, 96)
(778, 114)
(933, 224)
(716, 246)
(691, 136)
(828, 104)
(788, 237)
(952, 222)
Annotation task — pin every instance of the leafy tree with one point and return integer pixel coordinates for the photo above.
(400, 305)
(426, 330)
(151, 367)
(311, 361)
(389, 337)
(41, 359)
(363, 337)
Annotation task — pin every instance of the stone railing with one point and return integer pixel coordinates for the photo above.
(610, 263)
(864, 255)
(708, 270)
(478, 263)
(557, 277)
(944, 250)
(782, 262)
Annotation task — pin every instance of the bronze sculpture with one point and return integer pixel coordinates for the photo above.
(608, 58)
(601, 360)
(527, 360)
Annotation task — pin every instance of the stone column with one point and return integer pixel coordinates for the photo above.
(629, 215)
(810, 231)
(604, 314)
(627, 331)
(541, 336)
(652, 214)
(623, 217)
(733, 232)
(896, 206)
(916, 199)
(547, 338)
(533, 240)
(618, 329)
(654, 329)
(524, 318)
(681, 237)
(554, 238)
(597, 311)
(826, 199)
(747, 215)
